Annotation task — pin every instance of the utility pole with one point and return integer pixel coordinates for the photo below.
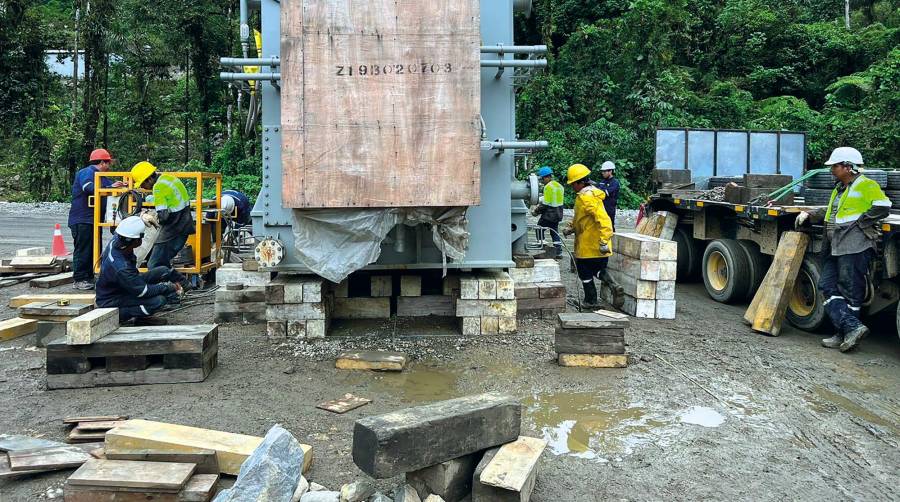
(75, 65)
(187, 103)
(847, 14)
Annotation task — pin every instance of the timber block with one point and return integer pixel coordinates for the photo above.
(341, 289)
(16, 327)
(414, 438)
(645, 270)
(52, 311)
(470, 326)
(468, 287)
(296, 311)
(451, 480)
(37, 251)
(276, 331)
(382, 285)
(593, 360)
(410, 285)
(671, 176)
(668, 270)
(233, 272)
(490, 325)
(479, 308)
(427, 305)
(296, 329)
(770, 181)
(544, 270)
(48, 331)
(665, 309)
(590, 320)
(52, 281)
(644, 247)
(487, 288)
(92, 326)
(639, 307)
(362, 308)
(508, 472)
(644, 290)
(248, 294)
(451, 285)
(127, 363)
(541, 303)
(507, 325)
(526, 291)
(551, 290)
(523, 260)
(316, 328)
(506, 287)
(589, 341)
(371, 360)
(665, 290)
(81, 298)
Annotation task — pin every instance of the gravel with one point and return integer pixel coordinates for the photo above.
(29, 207)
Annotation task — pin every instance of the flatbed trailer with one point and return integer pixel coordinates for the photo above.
(730, 246)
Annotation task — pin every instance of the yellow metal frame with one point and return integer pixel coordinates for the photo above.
(200, 204)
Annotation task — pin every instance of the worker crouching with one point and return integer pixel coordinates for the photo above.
(137, 296)
(593, 233)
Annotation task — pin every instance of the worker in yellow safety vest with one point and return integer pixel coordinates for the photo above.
(593, 234)
(173, 212)
(550, 207)
(851, 229)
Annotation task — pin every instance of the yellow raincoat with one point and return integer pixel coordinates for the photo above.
(591, 224)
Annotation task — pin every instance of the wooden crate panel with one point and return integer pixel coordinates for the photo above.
(377, 96)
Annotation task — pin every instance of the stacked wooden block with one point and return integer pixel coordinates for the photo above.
(129, 355)
(539, 289)
(241, 295)
(487, 303)
(591, 340)
(645, 268)
(296, 308)
(47, 316)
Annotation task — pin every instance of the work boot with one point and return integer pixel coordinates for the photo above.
(834, 342)
(150, 321)
(590, 294)
(617, 292)
(83, 285)
(853, 338)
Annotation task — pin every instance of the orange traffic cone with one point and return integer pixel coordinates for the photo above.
(58, 247)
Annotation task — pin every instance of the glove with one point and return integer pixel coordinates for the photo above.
(872, 232)
(568, 231)
(604, 248)
(534, 211)
(801, 220)
(149, 217)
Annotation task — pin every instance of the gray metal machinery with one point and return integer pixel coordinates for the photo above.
(497, 226)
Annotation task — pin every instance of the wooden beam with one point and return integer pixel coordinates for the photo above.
(92, 326)
(778, 286)
(16, 327)
(79, 298)
(52, 281)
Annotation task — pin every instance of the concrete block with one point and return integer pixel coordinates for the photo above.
(295, 311)
(276, 331)
(593, 360)
(468, 287)
(92, 326)
(471, 326)
(478, 308)
(415, 438)
(487, 288)
(232, 272)
(450, 480)
(665, 309)
(296, 329)
(667, 270)
(410, 285)
(371, 360)
(507, 325)
(382, 285)
(428, 305)
(362, 308)
(316, 329)
(490, 325)
(665, 290)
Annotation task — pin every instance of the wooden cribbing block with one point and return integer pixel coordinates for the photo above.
(104, 425)
(144, 340)
(47, 459)
(589, 320)
(362, 308)
(382, 285)
(92, 326)
(480, 308)
(39, 251)
(205, 459)
(551, 290)
(514, 466)
(544, 270)
(296, 311)
(426, 305)
(249, 294)
(233, 272)
(94, 418)
(231, 449)
(769, 305)
(200, 488)
(16, 327)
(644, 290)
(639, 307)
(415, 438)
(593, 360)
(526, 291)
(644, 247)
(371, 360)
(590, 341)
(79, 298)
(151, 476)
(51, 281)
(52, 311)
(410, 285)
(665, 309)
(33, 261)
(645, 270)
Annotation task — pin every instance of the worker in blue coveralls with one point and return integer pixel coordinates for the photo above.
(610, 185)
(137, 296)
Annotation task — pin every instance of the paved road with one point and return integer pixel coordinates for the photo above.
(24, 230)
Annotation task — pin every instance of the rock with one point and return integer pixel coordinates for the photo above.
(290, 370)
(302, 488)
(356, 491)
(406, 493)
(433, 498)
(380, 497)
(316, 487)
(321, 496)
(272, 471)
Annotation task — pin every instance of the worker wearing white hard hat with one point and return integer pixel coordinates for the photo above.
(856, 206)
(137, 296)
(610, 185)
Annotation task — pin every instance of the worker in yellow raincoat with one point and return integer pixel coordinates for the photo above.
(593, 232)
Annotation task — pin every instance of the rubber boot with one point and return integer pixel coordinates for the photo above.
(852, 338)
(834, 342)
(150, 321)
(590, 294)
(618, 293)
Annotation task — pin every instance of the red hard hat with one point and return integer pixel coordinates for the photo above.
(100, 154)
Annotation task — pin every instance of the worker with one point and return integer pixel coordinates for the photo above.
(236, 207)
(173, 210)
(81, 217)
(610, 186)
(137, 296)
(593, 232)
(851, 229)
(550, 208)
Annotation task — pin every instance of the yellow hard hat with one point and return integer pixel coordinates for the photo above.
(577, 172)
(141, 171)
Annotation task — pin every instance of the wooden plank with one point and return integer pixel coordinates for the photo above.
(344, 404)
(16, 327)
(776, 290)
(103, 425)
(645, 270)
(6, 473)
(92, 326)
(410, 285)
(593, 360)
(54, 309)
(361, 308)
(589, 341)
(52, 281)
(152, 375)
(79, 298)
(644, 290)
(382, 285)
(142, 340)
(427, 305)
(94, 418)
(17, 442)
(349, 56)
(77, 436)
(513, 464)
(371, 360)
(205, 460)
(37, 251)
(200, 488)
(47, 459)
(167, 476)
(588, 320)
(231, 449)
(644, 247)
(526, 291)
(33, 261)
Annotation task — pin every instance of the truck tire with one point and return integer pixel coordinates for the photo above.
(816, 196)
(821, 180)
(806, 310)
(894, 196)
(759, 265)
(878, 176)
(726, 273)
(690, 253)
(893, 180)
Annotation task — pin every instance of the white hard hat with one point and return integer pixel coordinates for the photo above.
(608, 166)
(227, 205)
(132, 227)
(845, 154)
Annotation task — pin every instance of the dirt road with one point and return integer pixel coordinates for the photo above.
(706, 410)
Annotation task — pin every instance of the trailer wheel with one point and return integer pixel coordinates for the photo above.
(759, 265)
(806, 310)
(726, 272)
(898, 319)
(690, 254)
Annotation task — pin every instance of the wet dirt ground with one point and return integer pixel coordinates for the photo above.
(706, 409)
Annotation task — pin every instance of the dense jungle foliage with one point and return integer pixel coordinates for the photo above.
(618, 69)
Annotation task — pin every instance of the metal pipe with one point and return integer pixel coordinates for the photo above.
(514, 145)
(273, 61)
(245, 27)
(513, 63)
(513, 49)
(400, 238)
(249, 76)
(526, 190)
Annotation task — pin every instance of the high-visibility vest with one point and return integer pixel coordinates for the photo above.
(169, 193)
(553, 194)
(858, 198)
